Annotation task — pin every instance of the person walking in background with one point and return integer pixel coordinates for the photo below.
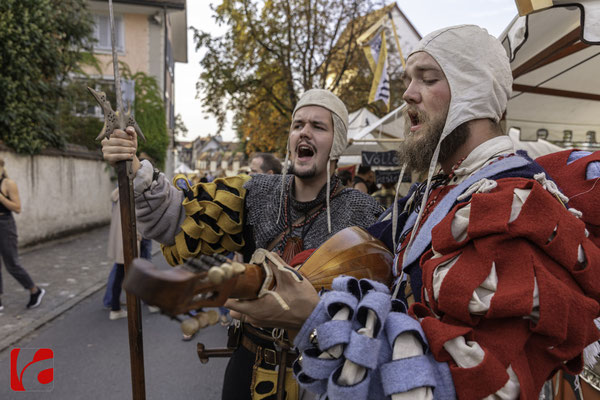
(115, 252)
(265, 163)
(9, 203)
(145, 246)
(385, 195)
(363, 179)
(345, 177)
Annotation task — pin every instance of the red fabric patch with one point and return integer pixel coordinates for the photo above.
(583, 194)
(301, 257)
(540, 245)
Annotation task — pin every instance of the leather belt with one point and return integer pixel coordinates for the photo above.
(269, 356)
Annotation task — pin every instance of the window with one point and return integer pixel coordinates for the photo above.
(102, 33)
(84, 105)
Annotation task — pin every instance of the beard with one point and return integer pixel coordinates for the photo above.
(418, 148)
(310, 173)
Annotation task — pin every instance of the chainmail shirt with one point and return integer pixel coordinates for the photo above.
(348, 208)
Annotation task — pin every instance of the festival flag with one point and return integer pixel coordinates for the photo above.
(371, 43)
(380, 88)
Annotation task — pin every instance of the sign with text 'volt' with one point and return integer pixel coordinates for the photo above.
(380, 158)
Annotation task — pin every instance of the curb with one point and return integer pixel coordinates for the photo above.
(8, 341)
(56, 312)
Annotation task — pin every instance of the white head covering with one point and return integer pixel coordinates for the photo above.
(480, 79)
(339, 115)
(477, 69)
(326, 99)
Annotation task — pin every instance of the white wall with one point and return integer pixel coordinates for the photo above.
(59, 194)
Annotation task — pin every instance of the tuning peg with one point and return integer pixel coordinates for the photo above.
(190, 326)
(227, 270)
(238, 268)
(216, 275)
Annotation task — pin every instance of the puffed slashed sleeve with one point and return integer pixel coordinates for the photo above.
(511, 291)
(209, 221)
(214, 220)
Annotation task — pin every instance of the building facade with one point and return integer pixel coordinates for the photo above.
(151, 36)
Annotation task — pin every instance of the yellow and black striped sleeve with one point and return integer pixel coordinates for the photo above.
(214, 219)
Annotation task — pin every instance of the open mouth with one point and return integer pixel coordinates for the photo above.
(305, 152)
(415, 121)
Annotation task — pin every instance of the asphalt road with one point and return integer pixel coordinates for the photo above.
(91, 357)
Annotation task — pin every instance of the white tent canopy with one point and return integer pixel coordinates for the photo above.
(365, 125)
(534, 149)
(555, 66)
(359, 120)
(183, 169)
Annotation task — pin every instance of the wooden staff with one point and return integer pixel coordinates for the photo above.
(119, 120)
(130, 249)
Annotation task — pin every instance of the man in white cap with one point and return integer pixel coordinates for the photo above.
(288, 214)
(501, 277)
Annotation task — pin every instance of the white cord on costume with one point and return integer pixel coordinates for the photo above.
(576, 213)
(283, 176)
(432, 166)
(550, 186)
(327, 194)
(395, 206)
(481, 186)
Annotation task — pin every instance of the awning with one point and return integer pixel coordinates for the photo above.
(555, 62)
(381, 134)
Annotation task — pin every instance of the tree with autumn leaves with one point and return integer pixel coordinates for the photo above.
(272, 52)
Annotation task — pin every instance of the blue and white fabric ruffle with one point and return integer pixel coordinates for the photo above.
(347, 345)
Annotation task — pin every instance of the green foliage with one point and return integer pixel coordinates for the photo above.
(79, 125)
(180, 128)
(40, 44)
(271, 53)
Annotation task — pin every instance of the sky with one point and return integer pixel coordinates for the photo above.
(425, 15)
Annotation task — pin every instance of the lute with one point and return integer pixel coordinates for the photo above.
(208, 281)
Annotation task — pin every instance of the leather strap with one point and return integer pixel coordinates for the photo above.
(283, 234)
(269, 356)
(261, 335)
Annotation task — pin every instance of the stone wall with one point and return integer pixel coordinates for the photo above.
(61, 192)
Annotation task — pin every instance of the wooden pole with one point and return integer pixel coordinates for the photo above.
(128, 227)
(397, 41)
(130, 250)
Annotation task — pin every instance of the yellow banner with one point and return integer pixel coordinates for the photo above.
(380, 88)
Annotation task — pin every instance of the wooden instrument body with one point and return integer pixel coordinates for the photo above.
(352, 251)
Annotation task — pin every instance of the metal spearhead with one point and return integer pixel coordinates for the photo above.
(114, 119)
(111, 117)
